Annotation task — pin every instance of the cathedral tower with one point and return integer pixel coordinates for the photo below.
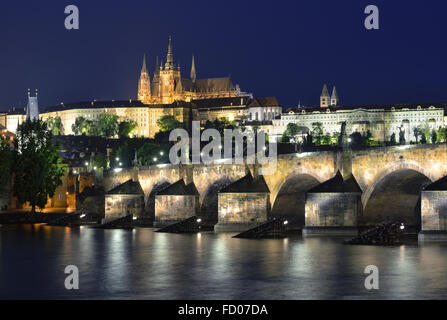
(169, 78)
(144, 85)
(193, 70)
(334, 98)
(324, 97)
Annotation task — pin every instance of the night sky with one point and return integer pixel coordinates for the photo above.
(286, 49)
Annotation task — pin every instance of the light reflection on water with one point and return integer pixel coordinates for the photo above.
(142, 264)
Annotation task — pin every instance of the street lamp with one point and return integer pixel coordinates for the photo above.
(161, 153)
(155, 159)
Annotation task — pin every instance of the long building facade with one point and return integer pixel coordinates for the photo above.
(167, 93)
(382, 121)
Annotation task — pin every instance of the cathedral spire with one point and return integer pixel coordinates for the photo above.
(169, 58)
(193, 70)
(143, 68)
(334, 97)
(324, 97)
(144, 84)
(157, 64)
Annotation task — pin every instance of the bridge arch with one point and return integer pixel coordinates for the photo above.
(276, 182)
(289, 195)
(209, 199)
(395, 192)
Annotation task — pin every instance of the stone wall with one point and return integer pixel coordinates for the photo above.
(119, 205)
(333, 209)
(434, 210)
(174, 208)
(91, 205)
(244, 209)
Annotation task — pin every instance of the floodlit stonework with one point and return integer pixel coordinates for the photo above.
(176, 203)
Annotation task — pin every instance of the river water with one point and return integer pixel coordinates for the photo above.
(143, 264)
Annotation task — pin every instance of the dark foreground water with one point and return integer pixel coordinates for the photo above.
(142, 264)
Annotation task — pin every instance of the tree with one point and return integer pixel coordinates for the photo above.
(336, 138)
(37, 165)
(368, 139)
(168, 123)
(442, 134)
(55, 125)
(292, 130)
(223, 123)
(108, 125)
(5, 161)
(393, 141)
(326, 139)
(356, 139)
(423, 138)
(126, 128)
(317, 131)
(147, 152)
(99, 161)
(434, 136)
(82, 126)
(417, 132)
(401, 136)
(426, 134)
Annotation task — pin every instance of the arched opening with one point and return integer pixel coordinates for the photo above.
(150, 203)
(397, 195)
(291, 198)
(209, 207)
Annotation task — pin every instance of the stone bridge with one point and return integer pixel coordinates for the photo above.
(391, 179)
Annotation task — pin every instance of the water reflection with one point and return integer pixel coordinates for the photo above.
(142, 264)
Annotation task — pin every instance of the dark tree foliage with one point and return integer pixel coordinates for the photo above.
(37, 165)
(126, 128)
(168, 123)
(5, 161)
(221, 124)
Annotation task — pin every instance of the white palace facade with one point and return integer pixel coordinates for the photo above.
(382, 121)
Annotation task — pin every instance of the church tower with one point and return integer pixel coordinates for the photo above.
(144, 85)
(193, 70)
(32, 109)
(169, 78)
(334, 98)
(324, 97)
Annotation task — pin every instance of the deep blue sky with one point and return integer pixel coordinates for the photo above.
(286, 49)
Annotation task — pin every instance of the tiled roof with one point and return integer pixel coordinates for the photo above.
(264, 102)
(222, 102)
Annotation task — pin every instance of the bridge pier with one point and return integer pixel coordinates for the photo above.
(434, 212)
(243, 205)
(333, 208)
(176, 203)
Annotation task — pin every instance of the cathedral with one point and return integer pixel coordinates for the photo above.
(167, 84)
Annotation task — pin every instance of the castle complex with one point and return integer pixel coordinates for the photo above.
(188, 99)
(168, 85)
